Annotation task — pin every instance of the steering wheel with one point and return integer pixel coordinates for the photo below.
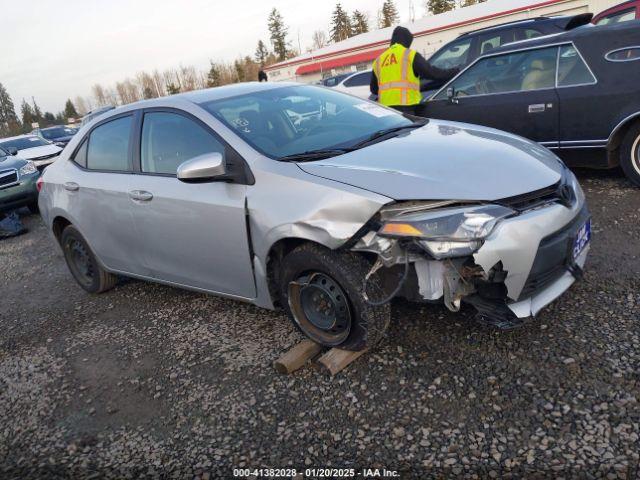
(484, 85)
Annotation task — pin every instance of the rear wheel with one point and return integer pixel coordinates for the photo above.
(83, 264)
(630, 154)
(321, 290)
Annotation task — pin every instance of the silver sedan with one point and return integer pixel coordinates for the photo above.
(318, 202)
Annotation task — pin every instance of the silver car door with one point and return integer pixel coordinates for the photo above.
(97, 191)
(194, 234)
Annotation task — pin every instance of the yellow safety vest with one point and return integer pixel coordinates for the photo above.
(397, 84)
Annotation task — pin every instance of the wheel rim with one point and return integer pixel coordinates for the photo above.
(80, 261)
(320, 307)
(635, 155)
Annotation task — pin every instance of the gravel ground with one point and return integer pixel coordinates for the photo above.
(151, 381)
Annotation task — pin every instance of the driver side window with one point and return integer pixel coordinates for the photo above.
(170, 139)
(513, 72)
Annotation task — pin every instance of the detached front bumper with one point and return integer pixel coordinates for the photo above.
(523, 265)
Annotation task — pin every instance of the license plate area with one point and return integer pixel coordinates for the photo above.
(582, 239)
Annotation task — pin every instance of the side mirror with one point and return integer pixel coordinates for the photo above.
(206, 167)
(12, 151)
(451, 95)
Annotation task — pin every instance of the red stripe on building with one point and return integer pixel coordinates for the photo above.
(339, 62)
(420, 33)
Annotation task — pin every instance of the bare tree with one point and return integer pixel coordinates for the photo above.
(81, 106)
(99, 95)
(319, 39)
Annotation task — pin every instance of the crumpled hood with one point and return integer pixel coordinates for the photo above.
(445, 161)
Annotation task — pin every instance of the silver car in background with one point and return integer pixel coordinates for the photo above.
(319, 202)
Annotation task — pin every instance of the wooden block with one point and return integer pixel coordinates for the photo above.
(297, 356)
(337, 359)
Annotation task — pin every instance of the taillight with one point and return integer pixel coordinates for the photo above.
(39, 184)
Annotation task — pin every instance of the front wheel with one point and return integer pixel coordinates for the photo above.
(322, 292)
(630, 154)
(83, 264)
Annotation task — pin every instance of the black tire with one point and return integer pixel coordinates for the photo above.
(33, 208)
(82, 263)
(366, 323)
(630, 154)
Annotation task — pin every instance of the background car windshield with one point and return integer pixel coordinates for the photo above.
(24, 143)
(50, 133)
(291, 120)
(452, 56)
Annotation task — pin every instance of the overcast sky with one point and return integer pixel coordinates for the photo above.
(54, 50)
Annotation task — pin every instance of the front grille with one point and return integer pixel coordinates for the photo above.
(561, 192)
(8, 178)
(554, 256)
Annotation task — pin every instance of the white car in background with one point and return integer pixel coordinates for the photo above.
(32, 147)
(356, 84)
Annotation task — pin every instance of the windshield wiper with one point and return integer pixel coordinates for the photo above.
(314, 154)
(383, 133)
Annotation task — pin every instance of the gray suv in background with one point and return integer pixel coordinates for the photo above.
(319, 202)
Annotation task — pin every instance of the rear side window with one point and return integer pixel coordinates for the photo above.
(624, 54)
(571, 68)
(109, 146)
(618, 17)
(359, 80)
(169, 139)
(81, 155)
(528, 33)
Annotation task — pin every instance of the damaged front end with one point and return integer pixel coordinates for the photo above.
(508, 259)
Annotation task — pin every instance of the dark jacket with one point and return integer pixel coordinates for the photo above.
(421, 68)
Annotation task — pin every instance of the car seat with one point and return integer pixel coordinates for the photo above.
(541, 74)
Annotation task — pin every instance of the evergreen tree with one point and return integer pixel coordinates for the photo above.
(340, 25)
(172, 88)
(359, 23)
(389, 14)
(48, 119)
(70, 109)
(9, 123)
(214, 77)
(37, 113)
(261, 53)
(440, 6)
(28, 116)
(278, 35)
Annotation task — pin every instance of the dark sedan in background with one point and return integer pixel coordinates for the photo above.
(576, 93)
(460, 52)
(59, 134)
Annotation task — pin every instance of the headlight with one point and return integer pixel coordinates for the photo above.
(449, 232)
(28, 169)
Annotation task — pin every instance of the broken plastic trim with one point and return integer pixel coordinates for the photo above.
(376, 266)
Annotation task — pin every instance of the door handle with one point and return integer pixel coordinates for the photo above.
(537, 108)
(71, 186)
(140, 195)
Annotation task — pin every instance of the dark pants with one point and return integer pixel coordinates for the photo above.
(415, 110)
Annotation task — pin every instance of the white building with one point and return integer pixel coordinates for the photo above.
(430, 33)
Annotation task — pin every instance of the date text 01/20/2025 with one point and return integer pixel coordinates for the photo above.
(315, 472)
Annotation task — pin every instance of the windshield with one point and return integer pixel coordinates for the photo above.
(51, 133)
(24, 142)
(292, 120)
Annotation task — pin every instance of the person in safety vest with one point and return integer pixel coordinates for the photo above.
(397, 73)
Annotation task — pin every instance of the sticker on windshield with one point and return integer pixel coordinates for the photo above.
(375, 110)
